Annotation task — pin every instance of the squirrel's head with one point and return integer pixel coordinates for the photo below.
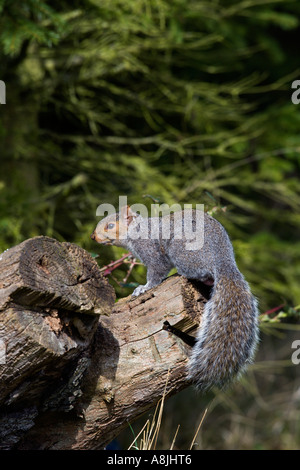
(113, 229)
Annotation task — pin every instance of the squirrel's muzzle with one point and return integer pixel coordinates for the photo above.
(95, 237)
(103, 241)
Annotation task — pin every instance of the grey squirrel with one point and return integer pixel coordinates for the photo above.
(226, 342)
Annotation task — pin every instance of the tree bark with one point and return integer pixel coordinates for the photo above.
(76, 367)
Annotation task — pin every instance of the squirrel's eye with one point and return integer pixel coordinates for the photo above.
(110, 226)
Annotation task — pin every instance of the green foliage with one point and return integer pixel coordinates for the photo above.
(29, 20)
(186, 101)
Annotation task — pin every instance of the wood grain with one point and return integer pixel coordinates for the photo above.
(79, 366)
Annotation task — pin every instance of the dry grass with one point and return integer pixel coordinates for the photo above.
(148, 436)
(260, 412)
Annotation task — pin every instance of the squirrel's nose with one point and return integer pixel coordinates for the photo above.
(93, 236)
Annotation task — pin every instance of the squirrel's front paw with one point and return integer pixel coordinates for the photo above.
(139, 290)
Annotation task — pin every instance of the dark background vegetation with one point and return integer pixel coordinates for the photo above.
(185, 101)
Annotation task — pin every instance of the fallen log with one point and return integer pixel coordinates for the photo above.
(75, 366)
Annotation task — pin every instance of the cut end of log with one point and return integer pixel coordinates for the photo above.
(51, 297)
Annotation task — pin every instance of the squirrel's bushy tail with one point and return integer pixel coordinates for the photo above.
(227, 336)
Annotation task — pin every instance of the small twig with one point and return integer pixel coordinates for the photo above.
(198, 429)
(125, 259)
(115, 280)
(174, 438)
(114, 264)
(273, 310)
(132, 264)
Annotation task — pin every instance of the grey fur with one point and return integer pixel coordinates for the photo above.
(228, 335)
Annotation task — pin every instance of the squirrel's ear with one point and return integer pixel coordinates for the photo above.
(127, 214)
